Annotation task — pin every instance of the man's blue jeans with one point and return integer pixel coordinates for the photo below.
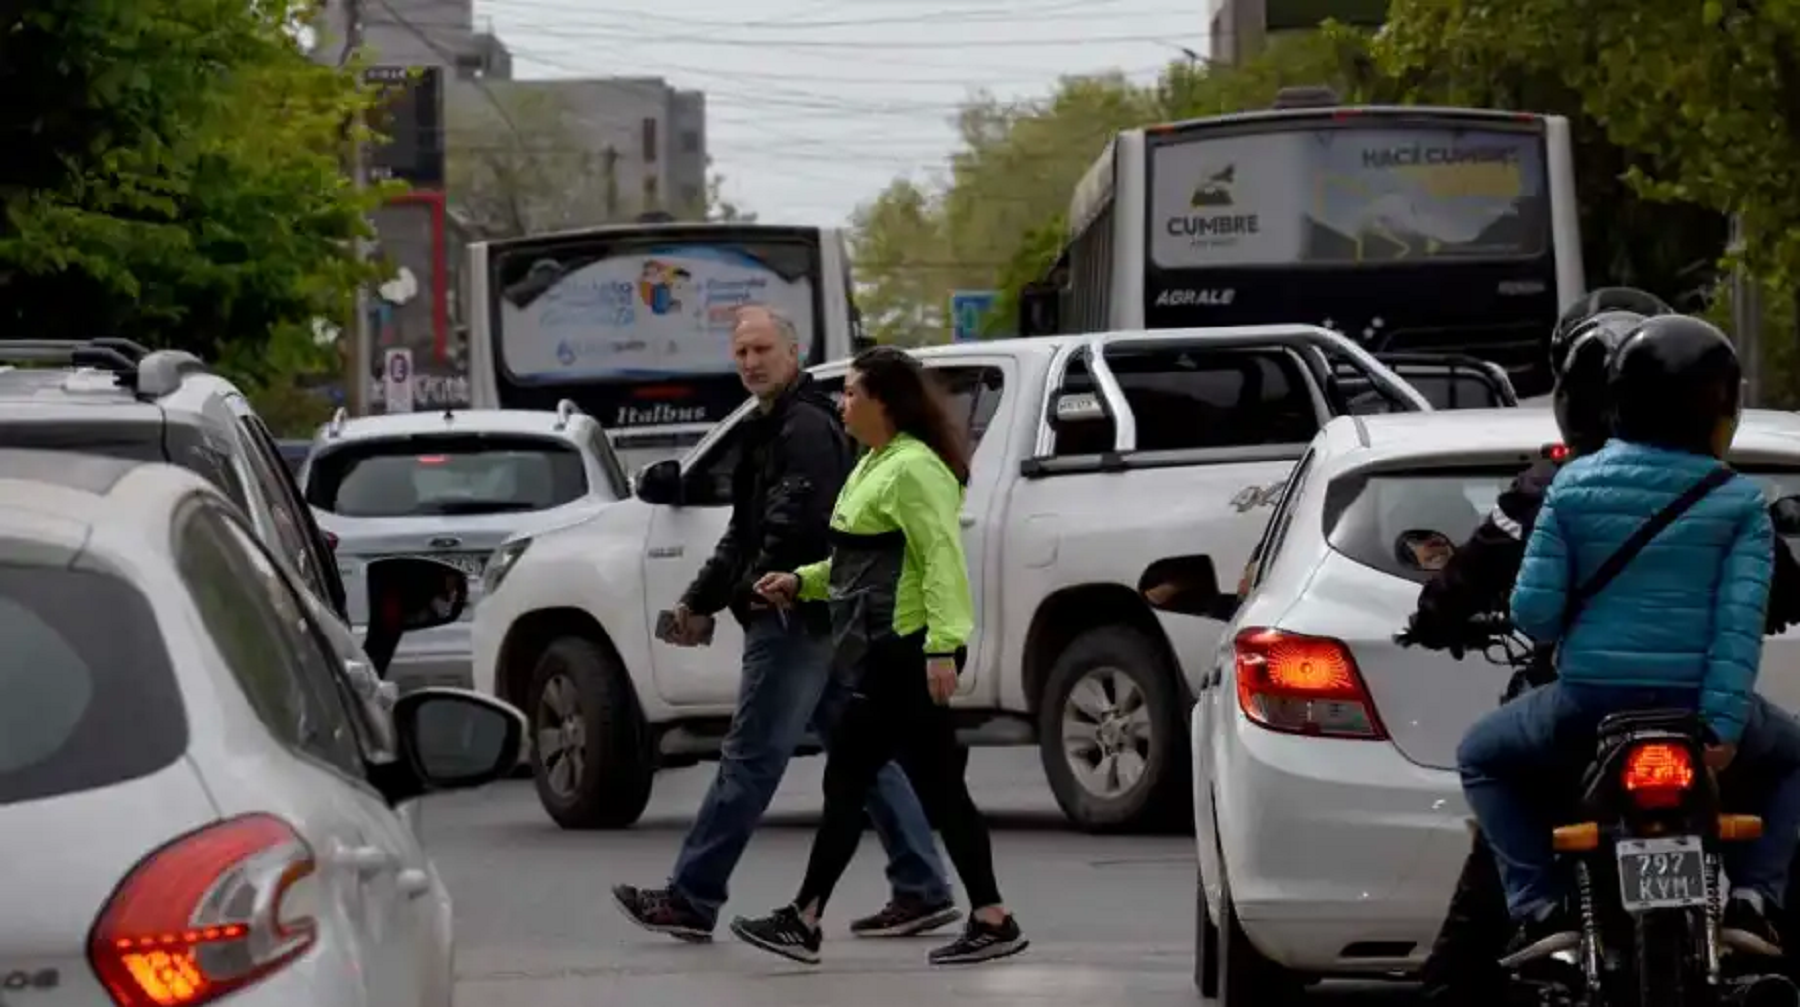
(787, 683)
(1547, 734)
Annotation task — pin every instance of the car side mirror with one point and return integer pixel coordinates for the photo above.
(1785, 515)
(451, 739)
(1187, 585)
(660, 483)
(408, 593)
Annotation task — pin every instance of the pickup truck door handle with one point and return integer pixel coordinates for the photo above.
(666, 552)
(966, 520)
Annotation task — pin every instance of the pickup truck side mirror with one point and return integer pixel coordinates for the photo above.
(1785, 514)
(409, 593)
(1187, 585)
(661, 483)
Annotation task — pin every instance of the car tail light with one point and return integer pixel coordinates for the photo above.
(1658, 773)
(203, 916)
(1303, 685)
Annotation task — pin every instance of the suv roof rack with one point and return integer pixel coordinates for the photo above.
(147, 373)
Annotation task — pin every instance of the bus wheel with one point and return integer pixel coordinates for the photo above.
(591, 753)
(1111, 735)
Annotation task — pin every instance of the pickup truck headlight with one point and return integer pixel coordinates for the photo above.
(500, 564)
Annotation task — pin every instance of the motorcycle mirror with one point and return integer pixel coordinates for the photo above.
(1785, 514)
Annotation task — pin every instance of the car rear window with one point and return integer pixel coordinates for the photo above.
(81, 709)
(1408, 524)
(435, 475)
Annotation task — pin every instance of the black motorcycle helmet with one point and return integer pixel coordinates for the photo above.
(1593, 304)
(1581, 399)
(1676, 383)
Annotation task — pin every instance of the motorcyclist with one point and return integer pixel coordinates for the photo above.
(1462, 967)
(1679, 627)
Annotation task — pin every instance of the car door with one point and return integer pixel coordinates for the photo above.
(372, 863)
(680, 540)
(976, 388)
(298, 537)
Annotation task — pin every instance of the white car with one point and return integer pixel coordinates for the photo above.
(451, 485)
(1329, 820)
(200, 800)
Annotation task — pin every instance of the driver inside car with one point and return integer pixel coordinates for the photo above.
(1679, 627)
(1462, 968)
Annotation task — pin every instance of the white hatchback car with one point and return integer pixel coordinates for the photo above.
(197, 794)
(1330, 822)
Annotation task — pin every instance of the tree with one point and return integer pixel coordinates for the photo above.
(718, 208)
(516, 165)
(1686, 114)
(174, 175)
(904, 295)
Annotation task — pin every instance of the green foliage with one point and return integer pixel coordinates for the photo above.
(174, 175)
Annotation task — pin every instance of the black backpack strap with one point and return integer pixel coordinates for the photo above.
(1640, 538)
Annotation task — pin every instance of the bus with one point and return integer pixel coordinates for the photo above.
(1408, 229)
(632, 322)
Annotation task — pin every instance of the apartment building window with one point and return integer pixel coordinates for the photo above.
(690, 141)
(649, 141)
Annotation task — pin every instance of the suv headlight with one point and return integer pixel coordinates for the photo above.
(500, 564)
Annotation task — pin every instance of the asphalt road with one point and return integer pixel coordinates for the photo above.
(1110, 919)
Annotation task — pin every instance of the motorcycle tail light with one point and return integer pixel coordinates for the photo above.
(1658, 773)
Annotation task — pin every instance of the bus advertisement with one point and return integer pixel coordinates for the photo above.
(1408, 229)
(633, 323)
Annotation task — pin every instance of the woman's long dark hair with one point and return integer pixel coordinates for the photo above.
(915, 403)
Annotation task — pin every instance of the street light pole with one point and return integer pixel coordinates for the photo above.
(356, 364)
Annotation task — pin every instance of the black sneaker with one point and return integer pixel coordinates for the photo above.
(1543, 935)
(1746, 928)
(661, 911)
(982, 942)
(782, 932)
(906, 916)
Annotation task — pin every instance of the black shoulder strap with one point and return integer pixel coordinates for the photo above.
(1640, 538)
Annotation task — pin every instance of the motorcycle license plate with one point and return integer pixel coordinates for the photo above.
(1666, 873)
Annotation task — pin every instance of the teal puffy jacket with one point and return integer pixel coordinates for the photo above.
(1688, 609)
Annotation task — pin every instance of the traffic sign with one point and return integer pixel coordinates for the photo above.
(397, 372)
(968, 310)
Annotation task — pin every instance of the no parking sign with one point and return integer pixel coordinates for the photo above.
(398, 381)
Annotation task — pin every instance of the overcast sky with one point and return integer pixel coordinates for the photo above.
(813, 106)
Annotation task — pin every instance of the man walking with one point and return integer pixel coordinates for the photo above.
(794, 459)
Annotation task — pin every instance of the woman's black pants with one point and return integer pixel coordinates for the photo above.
(892, 717)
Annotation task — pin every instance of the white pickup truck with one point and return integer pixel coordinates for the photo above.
(1093, 454)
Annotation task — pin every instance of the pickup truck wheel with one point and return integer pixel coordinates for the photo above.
(1110, 733)
(590, 754)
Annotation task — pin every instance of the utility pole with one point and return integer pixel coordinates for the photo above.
(356, 365)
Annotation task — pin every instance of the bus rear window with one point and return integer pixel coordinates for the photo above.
(440, 475)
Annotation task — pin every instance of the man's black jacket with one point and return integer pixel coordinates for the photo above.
(793, 459)
(1479, 577)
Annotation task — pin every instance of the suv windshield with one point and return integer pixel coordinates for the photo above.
(446, 474)
(83, 710)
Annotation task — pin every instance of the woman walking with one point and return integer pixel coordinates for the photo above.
(901, 613)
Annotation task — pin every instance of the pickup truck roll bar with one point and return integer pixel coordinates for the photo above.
(1296, 337)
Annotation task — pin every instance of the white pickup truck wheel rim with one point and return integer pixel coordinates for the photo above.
(1106, 731)
(561, 736)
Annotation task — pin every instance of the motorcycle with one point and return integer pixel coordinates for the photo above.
(1641, 847)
